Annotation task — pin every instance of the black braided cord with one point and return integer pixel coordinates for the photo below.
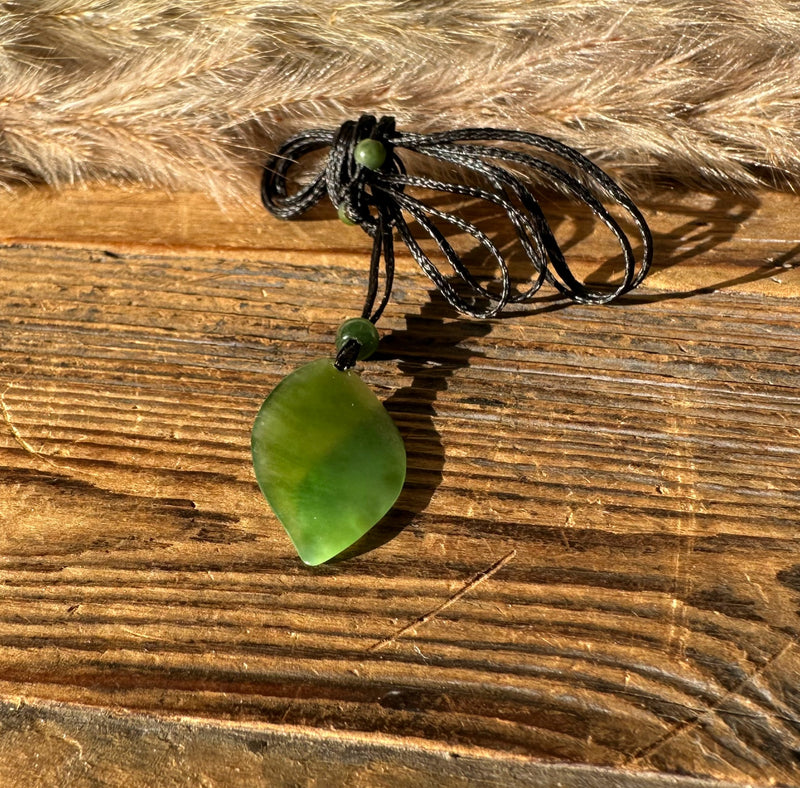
(377, 201)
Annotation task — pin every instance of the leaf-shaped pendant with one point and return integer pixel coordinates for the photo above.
(328, 458)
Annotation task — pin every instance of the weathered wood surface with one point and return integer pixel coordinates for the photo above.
(52, 744)
(595, 562)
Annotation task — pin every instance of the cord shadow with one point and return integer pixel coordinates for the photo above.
(713, 227)
(788, 260)
(702, 230)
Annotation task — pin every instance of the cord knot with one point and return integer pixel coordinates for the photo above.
(360, 150)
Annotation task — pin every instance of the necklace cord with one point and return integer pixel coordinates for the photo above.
(377, 200)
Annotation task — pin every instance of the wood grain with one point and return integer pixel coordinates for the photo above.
(57, 744)
(595, 560)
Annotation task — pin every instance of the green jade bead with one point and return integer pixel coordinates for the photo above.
(328, 458)
(342, 212)
(363, 331)
(370, 154)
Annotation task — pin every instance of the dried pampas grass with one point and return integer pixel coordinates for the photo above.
(192, 93)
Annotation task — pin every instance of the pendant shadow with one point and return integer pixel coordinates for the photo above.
(430, 349)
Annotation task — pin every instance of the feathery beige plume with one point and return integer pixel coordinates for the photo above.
(193, 93)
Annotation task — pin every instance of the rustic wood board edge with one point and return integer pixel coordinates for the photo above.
(702, 241)
(59, 743)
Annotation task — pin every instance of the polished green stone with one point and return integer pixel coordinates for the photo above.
(342, 213)
(370, 154)
(363, 331)
(327, 457)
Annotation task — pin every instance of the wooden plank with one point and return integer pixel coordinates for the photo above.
(54, 744)
(595, 560)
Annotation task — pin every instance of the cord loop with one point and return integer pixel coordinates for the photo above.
(376, 199)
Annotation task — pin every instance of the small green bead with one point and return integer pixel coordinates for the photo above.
(342, 211)
(370, 154)
(363, 331)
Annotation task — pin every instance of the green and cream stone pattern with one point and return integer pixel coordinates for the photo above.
(328, 458)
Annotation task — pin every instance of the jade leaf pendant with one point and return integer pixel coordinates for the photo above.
(327, 457)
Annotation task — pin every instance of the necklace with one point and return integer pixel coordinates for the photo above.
(327, 455)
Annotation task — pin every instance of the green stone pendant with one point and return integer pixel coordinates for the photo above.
(328, 458)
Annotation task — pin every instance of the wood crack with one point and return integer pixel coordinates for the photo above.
(475, 581)
(16, 434)
(645, 752)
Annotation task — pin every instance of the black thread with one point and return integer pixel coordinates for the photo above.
(377, 200)
(348, 355)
